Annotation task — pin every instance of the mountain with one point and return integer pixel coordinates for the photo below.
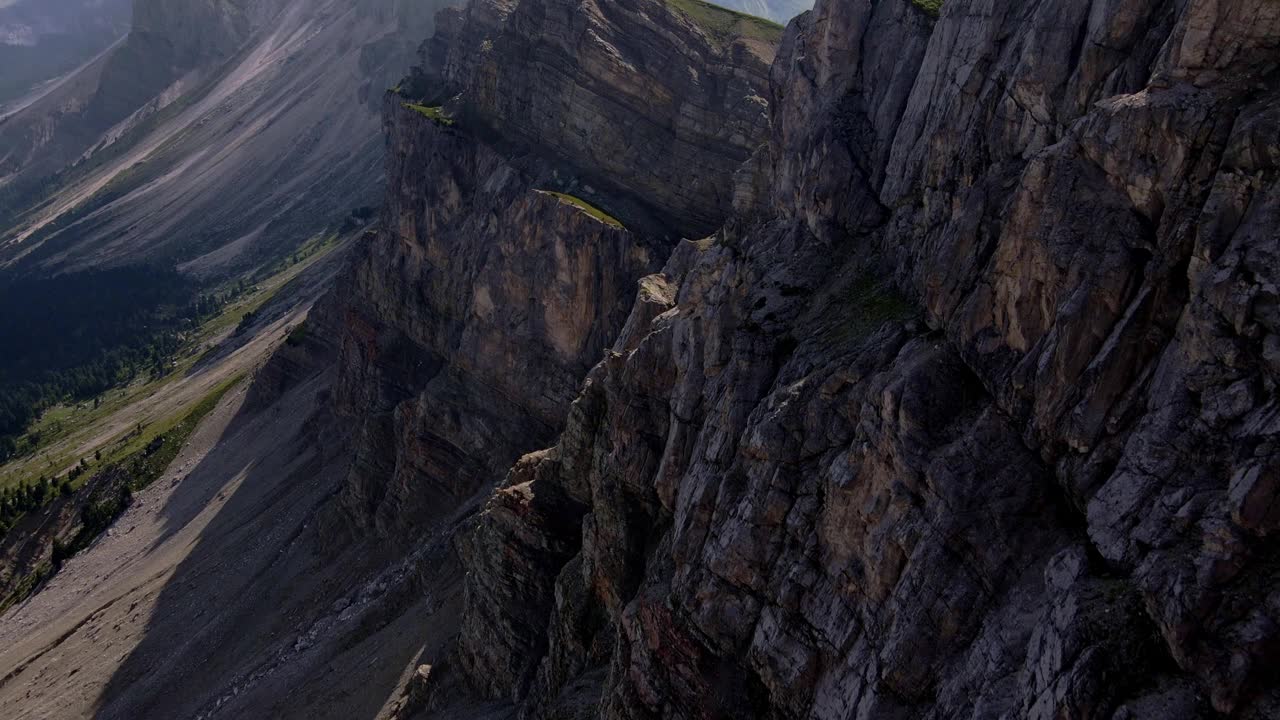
(41, 40)
(218, 140)
(916, 361)
(777, 10)
(927, 425)
(217, 136)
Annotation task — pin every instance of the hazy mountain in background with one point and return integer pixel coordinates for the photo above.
(216, 136)
(777, 10)
(43, 39)
(207, 148)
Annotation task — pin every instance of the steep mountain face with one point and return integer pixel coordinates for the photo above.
(467, 324)
(217, 134)
(966, 406)
(1032, 475)
(648, 109)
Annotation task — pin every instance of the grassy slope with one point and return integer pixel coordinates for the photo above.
(584, 206)
(143, 468)
(63, 429)
(725, 24)
(435, 113)
(932, 7)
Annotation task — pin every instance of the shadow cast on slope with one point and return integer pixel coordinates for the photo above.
(252, 612)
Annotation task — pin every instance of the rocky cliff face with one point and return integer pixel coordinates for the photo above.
(969, 410)
(468, 323)
(636, 104)
(486, 301)
(966, 408)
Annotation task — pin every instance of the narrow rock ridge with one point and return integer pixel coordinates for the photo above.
(1034, 475)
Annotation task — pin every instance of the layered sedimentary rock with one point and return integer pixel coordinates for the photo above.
(469, 321)
(649, 110)
(1034, 475)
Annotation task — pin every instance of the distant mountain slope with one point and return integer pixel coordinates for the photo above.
(42, 39)
(777, 10)
(218, 135)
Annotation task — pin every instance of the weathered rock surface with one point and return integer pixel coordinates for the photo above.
(634, 102)
(1048, 492)
(968, 409)
(469, 321)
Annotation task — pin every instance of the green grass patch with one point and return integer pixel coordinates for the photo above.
(435, 113)
(148, 454)
(269, 282)
(138, 462)
(63, 429)
(586, 207)
(932, 8)
(726, 25)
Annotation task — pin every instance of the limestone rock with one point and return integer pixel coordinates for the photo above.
(1048, 494)
(967, 409)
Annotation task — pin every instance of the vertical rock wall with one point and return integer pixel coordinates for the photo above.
(1033, 476)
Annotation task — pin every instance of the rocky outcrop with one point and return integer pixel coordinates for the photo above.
(970, 410)
(639, 106)
(469, 321)
(482, 303)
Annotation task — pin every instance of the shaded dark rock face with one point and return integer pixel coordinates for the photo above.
(467, 324)
(1050, 491)
(483, 302)
(630, 99)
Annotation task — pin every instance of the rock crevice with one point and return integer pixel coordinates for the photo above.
(1028, 476)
